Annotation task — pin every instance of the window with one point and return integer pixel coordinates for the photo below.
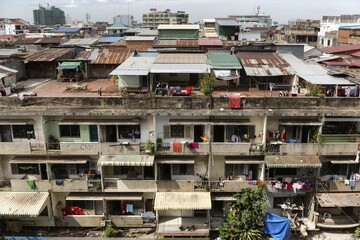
(177, 131)
(183, 169)
(23, 131)
(25, 169)
(129, 131)
(69, 131)
(172, 74)
(82, 204)
(129, 171)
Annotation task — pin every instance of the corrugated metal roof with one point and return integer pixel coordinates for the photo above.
(8, 52)
(178, 26)
(313, 72)
(356, 54)
(181, 58)
(264, 64)
(169, 43)
(80, 42)
(137, 38)
(340, 49)
(109, 39)
(26, 41)
(293, 161)
(106, 55)
(148, 32)
(180, 68)
(343, 64)
(7, 71)
(210, 42)
(223, 60)
(338, 199)
(104, 196)
(228, 23)
(182, 201)
(126, 160)
(22, 204)
(48, 55)
(134, 66)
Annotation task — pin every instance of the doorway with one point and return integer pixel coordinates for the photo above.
(219, 131)
(198, 132)
(165, 172)
(43, 172)
(93, 133)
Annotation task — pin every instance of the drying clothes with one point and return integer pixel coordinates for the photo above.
(194, 145)
(176, 147)
(31, 183)
(246, 170)
(129, 208)
(249, 175)
(347, 182)
(234, 102)
(59, 182)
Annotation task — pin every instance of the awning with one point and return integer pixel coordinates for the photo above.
(15, 121)
(69, 65)
(344, 162)
(224, 198)
(71, 121)
(292, 161)
(22, 204)
(299, 123)
(126, 160)
(226, 75)
(53, 160)
(326, 80)
(104, 196)
(244, 161)
(125, 72)
(338, 199)
(175, 161)
(182, 201)
(179, 68)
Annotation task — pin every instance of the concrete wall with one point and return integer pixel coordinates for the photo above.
(136, 186)
(176, 213)
(338, 149)
(16, 64)
(175, 186)
(299, 149)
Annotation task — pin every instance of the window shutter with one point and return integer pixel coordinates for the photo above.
(187, 131)
(166, 131)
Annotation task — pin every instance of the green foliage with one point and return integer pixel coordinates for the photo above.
(357, 233)
(315, 92)
(206, 82)
(109, 231)
(149, 147)
(246, 216)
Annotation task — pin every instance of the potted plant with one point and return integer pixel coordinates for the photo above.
(149, 147)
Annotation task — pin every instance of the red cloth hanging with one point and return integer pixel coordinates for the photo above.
(234, 101)
(176, 147)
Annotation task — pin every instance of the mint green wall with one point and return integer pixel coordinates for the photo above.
(52, 128)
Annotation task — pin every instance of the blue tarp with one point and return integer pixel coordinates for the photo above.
(278, 227)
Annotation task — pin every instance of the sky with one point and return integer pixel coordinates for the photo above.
(104, 10)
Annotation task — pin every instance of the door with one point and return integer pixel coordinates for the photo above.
(198, 132)
(149, 206)
(93, 133)
(43, 172)
(219, 132)
(165, 172)
(110, 132)
(5, 134)
(194, 79)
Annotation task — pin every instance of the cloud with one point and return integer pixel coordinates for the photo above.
(71, 4)
(102, 1)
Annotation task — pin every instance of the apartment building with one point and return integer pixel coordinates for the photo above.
(155, 18)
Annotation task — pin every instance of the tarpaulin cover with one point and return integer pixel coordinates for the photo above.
(278, 227)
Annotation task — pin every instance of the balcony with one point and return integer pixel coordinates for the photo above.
(22, 185)
(231, 186)
(115, 148)
(130, 221)
(242, 148)
(175, 185)
(84, 220)
(75, 185)
(79, 148)
(337, 186)
(338, 149)
(119, 185)
(15, 147)
(299, 149)
(302, 186)
(186, 149)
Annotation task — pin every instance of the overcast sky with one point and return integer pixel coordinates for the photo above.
(104, 10)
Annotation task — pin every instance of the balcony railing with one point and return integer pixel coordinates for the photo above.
(65, 185)
(337, 186)
(121, 185)
(232, 185)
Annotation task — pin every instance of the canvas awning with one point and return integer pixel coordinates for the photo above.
(209, 121)
(99, 122)
(338, 199)
(22, 204)
(126, 160)
(69, 65)
(292, 161)
(299, 123)
(104, 196)
(182, 201)
(226, 75)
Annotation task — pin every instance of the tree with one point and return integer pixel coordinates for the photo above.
(206, 82)
(245, 220)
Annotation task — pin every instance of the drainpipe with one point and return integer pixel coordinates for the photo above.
(264, 132)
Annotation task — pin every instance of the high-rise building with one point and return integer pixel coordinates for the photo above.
(256, 20)
(154, 18)
(48, 16)
(125, 19)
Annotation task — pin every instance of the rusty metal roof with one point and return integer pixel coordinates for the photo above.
(106, 55)
(188, 43)
(338, 199)
(210, 42)
(264, 64)
(48, 55)
(181, 58)
(293, 161)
